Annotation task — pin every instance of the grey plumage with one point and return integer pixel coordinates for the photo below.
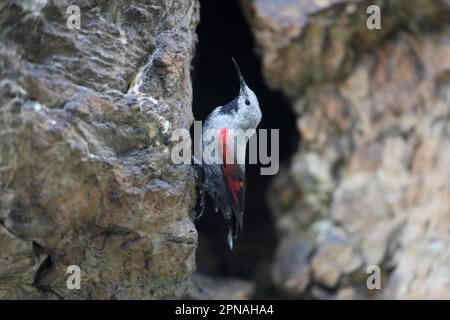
(225, 183)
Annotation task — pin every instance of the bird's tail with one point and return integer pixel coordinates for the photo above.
(232, 233)
(230, 239)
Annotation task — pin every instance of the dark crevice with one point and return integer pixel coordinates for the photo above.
(45, 266)
(37, 249)
(42, 270)
(224, 33)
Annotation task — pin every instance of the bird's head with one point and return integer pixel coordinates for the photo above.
(248, 114)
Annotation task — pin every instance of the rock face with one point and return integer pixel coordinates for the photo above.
(370, 182)
(86, 117)
(205, 287)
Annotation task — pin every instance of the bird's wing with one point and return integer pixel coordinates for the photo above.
(235, 181)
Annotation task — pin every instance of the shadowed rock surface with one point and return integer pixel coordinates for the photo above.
(86, 179)
(370, 182)
(215, 288)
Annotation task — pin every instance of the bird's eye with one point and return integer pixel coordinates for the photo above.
(247, 102)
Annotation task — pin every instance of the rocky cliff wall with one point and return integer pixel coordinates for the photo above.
(86, 117)
(369, 184)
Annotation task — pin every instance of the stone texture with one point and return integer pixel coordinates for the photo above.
(85, 174)
(291, 272)
(205, 287)
(370, 180)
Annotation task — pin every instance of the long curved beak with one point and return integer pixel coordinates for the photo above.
(241, 78)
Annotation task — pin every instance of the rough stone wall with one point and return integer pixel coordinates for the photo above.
(85, 174)
(370, 182)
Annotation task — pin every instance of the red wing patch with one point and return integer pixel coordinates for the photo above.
(235, 180)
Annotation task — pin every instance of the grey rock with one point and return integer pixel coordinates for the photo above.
(205, 287)
(85, 173)
(372, 168)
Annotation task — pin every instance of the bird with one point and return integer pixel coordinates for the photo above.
(224, 180)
